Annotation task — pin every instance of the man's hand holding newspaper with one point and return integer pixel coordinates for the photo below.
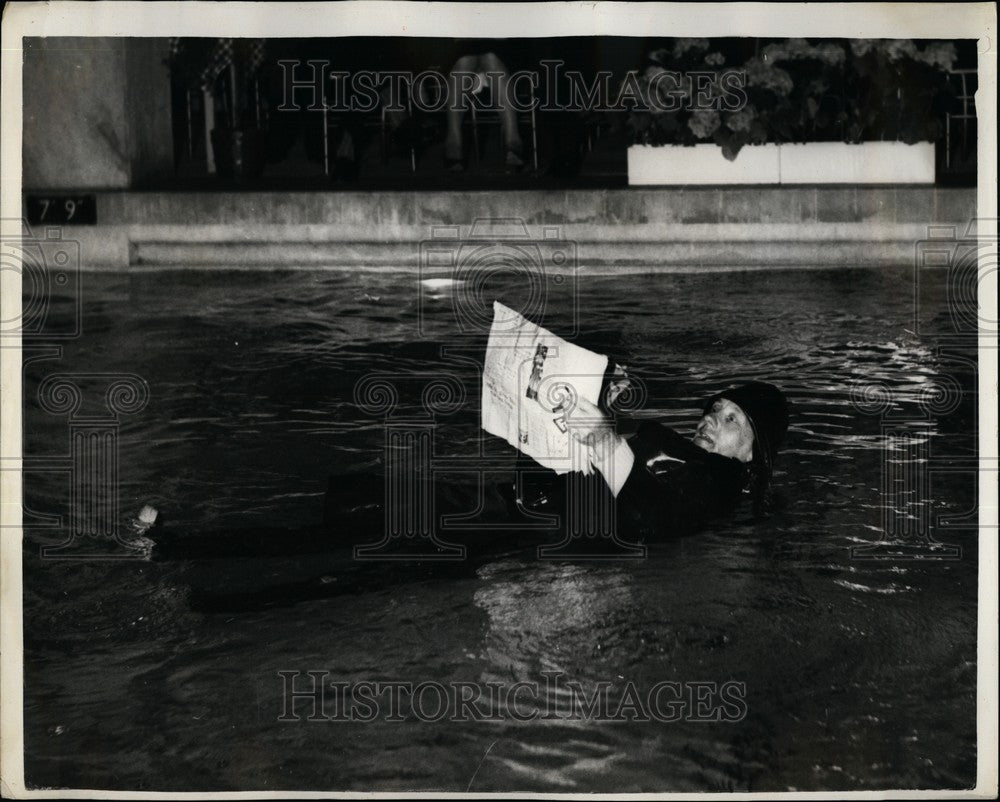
(541, 394)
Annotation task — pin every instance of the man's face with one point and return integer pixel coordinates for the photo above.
(726, 430)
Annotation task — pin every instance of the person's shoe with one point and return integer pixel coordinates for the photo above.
(137, 528)
(514, 162)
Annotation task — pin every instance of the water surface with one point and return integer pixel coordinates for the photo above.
(859, 674)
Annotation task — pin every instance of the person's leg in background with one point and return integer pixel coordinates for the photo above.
(514, 147)
(458, 88)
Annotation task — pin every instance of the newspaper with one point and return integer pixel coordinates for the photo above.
(531, 378)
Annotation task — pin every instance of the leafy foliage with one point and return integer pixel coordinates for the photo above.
(795, 91)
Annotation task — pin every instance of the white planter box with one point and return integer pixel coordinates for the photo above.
(701, 164)
(809, 163)
(866, 163)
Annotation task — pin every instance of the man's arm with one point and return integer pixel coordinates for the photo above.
(609, 452)
(614, 459)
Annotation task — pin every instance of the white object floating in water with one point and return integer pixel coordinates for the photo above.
(137, 528)
(441, 283)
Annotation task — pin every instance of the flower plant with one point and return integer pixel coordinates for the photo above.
(792, 90)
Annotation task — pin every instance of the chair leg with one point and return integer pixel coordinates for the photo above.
(385, 147)
(475, 130)
(209, 105)
(326, 137)
(534, 141)
(411, 127)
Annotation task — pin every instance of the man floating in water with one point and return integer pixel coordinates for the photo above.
(661, 486)
(665, 485)
(577, 483)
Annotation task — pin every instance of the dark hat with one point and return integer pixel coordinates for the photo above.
(766, 407)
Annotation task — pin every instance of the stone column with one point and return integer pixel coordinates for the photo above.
(96, 113)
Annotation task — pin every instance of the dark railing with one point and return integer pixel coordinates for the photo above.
(957, 157)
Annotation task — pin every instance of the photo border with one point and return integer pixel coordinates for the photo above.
(278, 20)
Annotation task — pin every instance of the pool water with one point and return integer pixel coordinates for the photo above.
(859, 673)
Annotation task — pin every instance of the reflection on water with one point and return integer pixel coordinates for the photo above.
(531, 622)
(859, 674)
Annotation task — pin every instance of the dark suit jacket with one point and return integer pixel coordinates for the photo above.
(674, 488)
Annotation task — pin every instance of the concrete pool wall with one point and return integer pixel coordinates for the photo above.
(614, 230)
